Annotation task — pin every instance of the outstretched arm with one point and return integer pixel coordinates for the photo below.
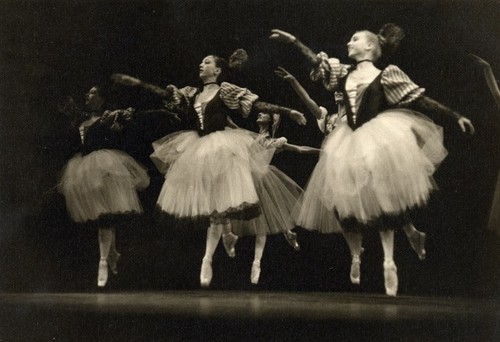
(304, 96)
(490, 78)
(271, 108)
(301, 149)
(286, 37)
(135, 82)
(427, 105)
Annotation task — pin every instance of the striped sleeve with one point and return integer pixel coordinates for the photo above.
(329, 72)
(188, 91)
(237, 98)
(399, 89)
(180, 97)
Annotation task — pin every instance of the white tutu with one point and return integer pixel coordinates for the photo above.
(104, 182)
(278, 195)
(383, 168)
(209, 175)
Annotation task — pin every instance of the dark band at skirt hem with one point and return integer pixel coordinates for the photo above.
(111, 220)
(244, 212)
(382, 223)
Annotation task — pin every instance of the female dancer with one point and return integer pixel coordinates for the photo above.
(278, 195)
(326, 123)
(378, 164)
(100, 183)
(211, 168)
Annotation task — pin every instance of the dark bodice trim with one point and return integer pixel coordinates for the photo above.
(100, 136)
(372, 103)
(214, 116)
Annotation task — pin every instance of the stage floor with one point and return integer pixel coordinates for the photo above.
(226, 315)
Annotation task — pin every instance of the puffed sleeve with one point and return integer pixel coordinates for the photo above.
(399, 89)
(238, 98)
(180, 97)
(329, 76)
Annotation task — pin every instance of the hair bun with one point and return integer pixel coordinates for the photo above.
(237, 59)
(390, 36)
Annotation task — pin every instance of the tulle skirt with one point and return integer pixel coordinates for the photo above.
(384, 168)
(211, 175)
(104, 182)
(278, 195)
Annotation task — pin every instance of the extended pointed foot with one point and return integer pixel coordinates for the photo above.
(255, 275)
(206, 272)
(390, 278)
(229, 240)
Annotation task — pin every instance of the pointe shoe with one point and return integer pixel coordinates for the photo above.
(206, 272)
(255, 275)
(391, 278)
(229, 241)
(291, 238)
(102, 275)
(417, 243)
(355, 270)
(113, 261)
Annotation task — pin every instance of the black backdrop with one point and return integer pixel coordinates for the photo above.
(50, 49)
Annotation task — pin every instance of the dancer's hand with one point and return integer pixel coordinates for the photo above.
(479, 61)
(281, 72)
(466, 125)
(298, 117)
(126, 80)
(282, 36)
(127, 114)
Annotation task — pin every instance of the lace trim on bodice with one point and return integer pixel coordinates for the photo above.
(355, 94)
(83, 128)
(198, 107)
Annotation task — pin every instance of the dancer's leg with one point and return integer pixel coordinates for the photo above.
(105, 240)
(228, 239)
(354, 241)
(214, 233)
(390, 269)
(113, 256)
(260, 243)
(416, 239)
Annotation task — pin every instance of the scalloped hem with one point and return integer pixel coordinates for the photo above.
(111, 220)
(384, 222)
(244, 212)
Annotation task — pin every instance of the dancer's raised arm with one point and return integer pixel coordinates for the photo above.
(288, 38)
(293, 114)
(135, 82)
(304, 96)
(490, 78)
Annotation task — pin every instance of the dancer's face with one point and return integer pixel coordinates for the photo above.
(359, 45)
(93, 100)
(209, 69)
(263, 118)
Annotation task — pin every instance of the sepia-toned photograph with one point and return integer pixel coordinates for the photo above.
(252, 170)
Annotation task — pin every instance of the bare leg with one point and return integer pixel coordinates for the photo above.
(114, 256)
(416, 239)
(214, 233)
(354, 241)
(260, 243)
(229, 239)
(105, 240)
(390, 269)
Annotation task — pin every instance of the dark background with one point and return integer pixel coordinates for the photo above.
(49, 50)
